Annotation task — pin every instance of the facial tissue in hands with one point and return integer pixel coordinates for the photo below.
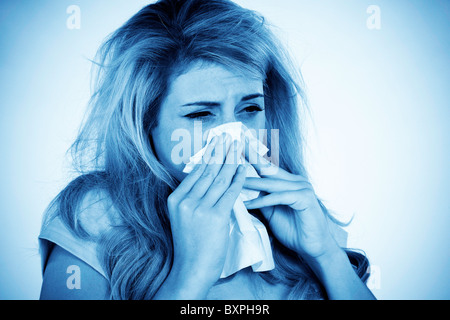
(249, 242)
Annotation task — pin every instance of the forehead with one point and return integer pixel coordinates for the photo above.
(212, 82)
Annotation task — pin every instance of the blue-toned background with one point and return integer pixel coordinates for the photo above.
(378, 139)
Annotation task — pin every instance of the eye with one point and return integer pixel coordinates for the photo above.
(196, 115)
(253, 108)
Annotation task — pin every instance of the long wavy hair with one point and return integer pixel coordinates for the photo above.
(113, 151)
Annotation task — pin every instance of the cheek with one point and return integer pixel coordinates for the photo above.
(174, 145)
(257, 125)
(257, 122)
(160, 140)
(261, 119)
(164, 146)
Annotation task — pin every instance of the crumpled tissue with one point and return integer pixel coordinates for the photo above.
(249, 243)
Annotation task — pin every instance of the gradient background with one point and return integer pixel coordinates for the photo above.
(378, 145)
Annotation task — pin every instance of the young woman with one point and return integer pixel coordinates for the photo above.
(133, 225)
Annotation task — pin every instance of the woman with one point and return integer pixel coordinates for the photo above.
(134, 225)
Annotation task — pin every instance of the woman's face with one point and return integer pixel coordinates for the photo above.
(205, 96)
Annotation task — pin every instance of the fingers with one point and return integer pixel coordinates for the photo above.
(261, 164)
(189, 181)
(226, 202)
(225, 177)
(212, 169)
(271, 185)
(298, 199)
(264, 167)
(272, 199)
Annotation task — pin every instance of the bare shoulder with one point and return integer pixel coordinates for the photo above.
(68, 278)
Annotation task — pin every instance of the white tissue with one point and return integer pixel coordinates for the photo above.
(249, 242)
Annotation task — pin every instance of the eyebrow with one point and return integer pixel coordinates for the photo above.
(217, 104)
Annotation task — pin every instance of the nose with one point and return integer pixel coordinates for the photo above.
(227, 120)
(228, 115)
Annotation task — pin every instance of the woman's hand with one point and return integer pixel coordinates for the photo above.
(199, 211)
(297, 220)
(291, 208)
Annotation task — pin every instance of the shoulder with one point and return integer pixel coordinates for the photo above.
(63, 250)
(68, 277)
